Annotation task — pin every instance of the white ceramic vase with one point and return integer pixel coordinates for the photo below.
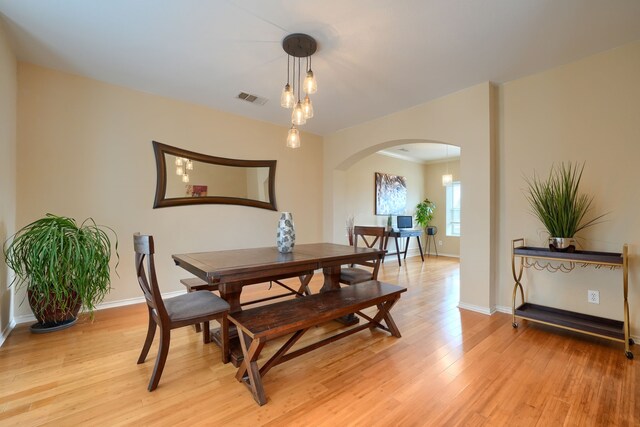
(286, 237)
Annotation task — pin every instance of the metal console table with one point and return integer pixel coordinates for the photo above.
(535, 257)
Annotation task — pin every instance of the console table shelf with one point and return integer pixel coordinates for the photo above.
(540, 259)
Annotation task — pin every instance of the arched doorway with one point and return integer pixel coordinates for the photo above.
(463, 119)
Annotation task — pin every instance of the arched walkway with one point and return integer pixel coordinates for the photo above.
(464, 119)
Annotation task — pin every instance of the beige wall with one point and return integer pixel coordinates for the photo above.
(84, 150)
(437, 194)
(361, 195)
(586, 111)
(464, 119)
(8, 91)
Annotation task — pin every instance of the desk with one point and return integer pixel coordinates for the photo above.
(234, 269)
(404, 232)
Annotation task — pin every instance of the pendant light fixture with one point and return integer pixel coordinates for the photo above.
(182, 166)
(287, 98)
(298, 46)
(447, 178)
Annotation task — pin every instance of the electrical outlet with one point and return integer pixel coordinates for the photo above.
(593, 297)
(439, 242)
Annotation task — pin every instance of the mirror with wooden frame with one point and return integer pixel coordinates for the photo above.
(189, 178)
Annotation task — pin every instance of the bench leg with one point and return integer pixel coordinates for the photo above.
(384, 313)
(281, 352)
(251, 350)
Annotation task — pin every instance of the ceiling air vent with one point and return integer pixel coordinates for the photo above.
(254, 99)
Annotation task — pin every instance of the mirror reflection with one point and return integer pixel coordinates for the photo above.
(186, 177)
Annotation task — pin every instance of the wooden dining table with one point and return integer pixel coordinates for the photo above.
(233, 269)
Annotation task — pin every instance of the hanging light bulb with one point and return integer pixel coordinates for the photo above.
(298, 117)
(287, 99)
(189, 165)
(307, 107)
(185, 178)
(179, 170)
(178, 161)
(293, 138)
(310, 84)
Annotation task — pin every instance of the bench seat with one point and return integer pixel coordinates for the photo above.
(258, 325)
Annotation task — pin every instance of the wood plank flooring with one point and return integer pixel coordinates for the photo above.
(451, 367)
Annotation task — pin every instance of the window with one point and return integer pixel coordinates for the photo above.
(453, 209)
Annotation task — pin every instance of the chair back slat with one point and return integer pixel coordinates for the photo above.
(146, 273)
(369, 235)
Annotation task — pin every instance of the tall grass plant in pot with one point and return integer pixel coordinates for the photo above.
(63, 266)
(558, 204)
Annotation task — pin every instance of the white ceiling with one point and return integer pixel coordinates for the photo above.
(374, 57)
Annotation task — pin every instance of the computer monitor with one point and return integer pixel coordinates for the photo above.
(405, 221)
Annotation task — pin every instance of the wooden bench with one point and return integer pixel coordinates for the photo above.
(258, 325)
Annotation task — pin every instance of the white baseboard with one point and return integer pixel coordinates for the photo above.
(5, 333)
(29, 318)
(503, 309)
(413, 252)
(476, 308)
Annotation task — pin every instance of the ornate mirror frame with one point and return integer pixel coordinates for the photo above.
(161, 201)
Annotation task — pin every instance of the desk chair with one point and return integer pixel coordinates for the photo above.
(183, 310)
(370, 237)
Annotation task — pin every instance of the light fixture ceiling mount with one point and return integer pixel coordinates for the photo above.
(299, 45)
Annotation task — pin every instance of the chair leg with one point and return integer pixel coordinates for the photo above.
(224, 338)
(151, 332)
(206, 335)
(163, 351)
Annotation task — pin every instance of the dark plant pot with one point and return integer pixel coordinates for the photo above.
(562, 244)
(51, 316)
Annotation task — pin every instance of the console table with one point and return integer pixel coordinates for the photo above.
(539, 258)
(403, 232)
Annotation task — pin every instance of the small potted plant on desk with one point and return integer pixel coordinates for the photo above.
(63, 267)
(556, 202)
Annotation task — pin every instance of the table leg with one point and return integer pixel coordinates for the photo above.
(231, 294)
(398, 251)
(406, 247)
(420, 247)
(332, 281)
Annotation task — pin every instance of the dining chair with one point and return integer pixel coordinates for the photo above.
(171, 313)
(371, 237)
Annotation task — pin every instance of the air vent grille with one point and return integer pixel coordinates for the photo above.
(254, 99)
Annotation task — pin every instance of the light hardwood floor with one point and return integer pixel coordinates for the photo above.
(451, 367)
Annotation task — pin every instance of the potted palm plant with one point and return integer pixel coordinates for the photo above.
(557, 203)
(63, 267)
(424, 213)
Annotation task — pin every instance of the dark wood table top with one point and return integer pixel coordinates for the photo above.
(255, 263)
